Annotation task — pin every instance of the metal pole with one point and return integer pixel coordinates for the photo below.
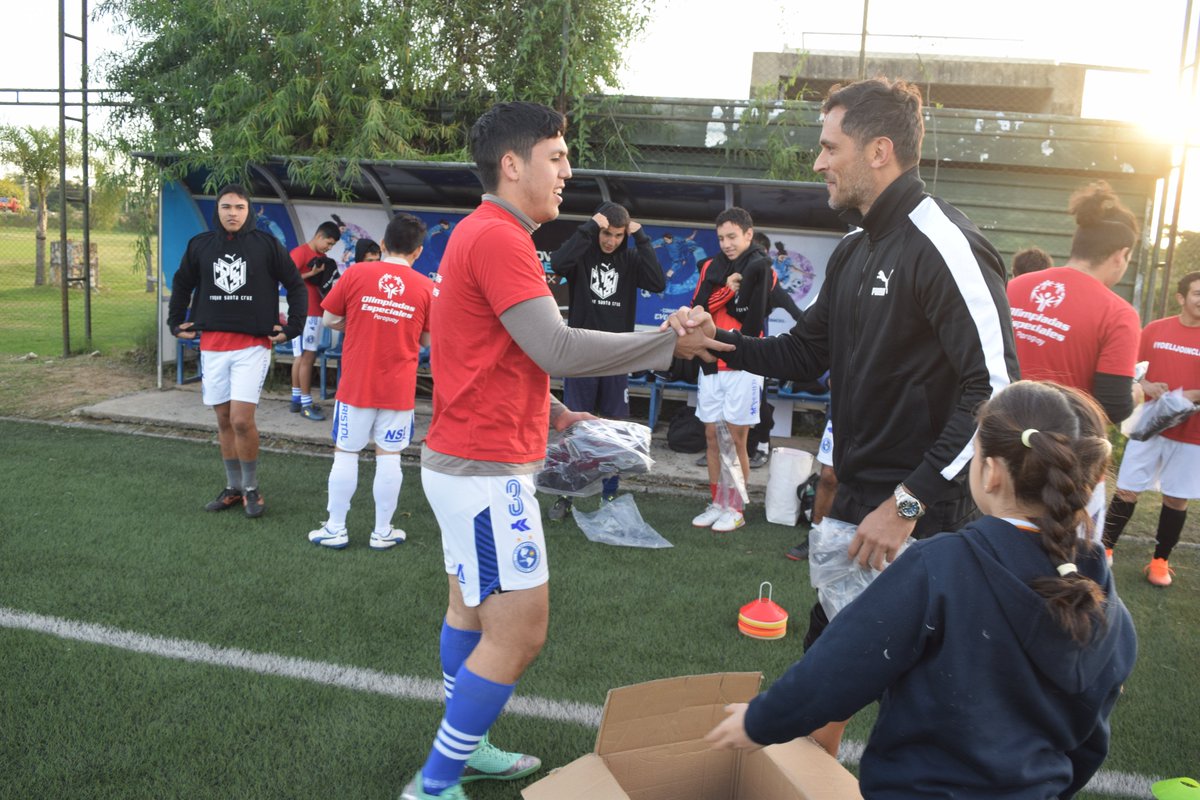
(862, 44)
(64, 261)
(1194, 47)
(87, 192)
(158, 289)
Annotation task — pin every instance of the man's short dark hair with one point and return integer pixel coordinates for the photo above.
(511, 127)
(1031, 259)
(616, 214)
(738, 216)
(763, 241)
(404, 234)
(879, 107)
(329, 230)
(1185, 283)
(233, 188)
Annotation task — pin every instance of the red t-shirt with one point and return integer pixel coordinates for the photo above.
(223, 341)
(491, 402)
(386, 306)
(1173, 350)
(1069, 326)
(301, 255)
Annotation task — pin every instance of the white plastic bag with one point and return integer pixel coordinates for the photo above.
(788, 469)
(837, 578)
(731, 484)
(1170, 409)
(619, 523)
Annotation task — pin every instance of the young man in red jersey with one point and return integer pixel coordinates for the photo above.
(1170, 461)
(497, 336)
(304, 346)
(383, 308)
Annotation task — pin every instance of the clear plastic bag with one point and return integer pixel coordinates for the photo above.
(1170, 409)
(836, 577)
(731, 484)
(618, 523)
(581, 457)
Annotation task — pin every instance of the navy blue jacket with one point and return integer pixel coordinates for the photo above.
(981, 694)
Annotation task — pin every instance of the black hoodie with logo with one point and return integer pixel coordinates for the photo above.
(230, 281)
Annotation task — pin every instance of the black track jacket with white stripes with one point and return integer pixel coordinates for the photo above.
(914, 326)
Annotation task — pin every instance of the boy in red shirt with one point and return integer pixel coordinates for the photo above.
(304, 346)
(383, 308)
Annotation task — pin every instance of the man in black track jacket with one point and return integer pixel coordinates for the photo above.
(228, 280)
(912, 322)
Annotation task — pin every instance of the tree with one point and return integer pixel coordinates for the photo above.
(34, 151)
(340, 81)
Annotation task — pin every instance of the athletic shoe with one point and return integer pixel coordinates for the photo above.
(228, 498)
(334, 540)
(558, 512)
(489, 762)
(253, 503)
(608, 498)
(1158, 572)
(702, 461)
(708, 516)
(312, 412)
(799, 552)
(295, 407)
(416, 791)
(730, 521)
(1108, 555)
(383, 541)
(759, 458)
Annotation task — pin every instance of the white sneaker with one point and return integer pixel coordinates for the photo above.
(730, 521)
(708, 516)
(382, 541)
(334, 540)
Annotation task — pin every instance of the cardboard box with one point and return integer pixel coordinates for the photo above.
(651, 747)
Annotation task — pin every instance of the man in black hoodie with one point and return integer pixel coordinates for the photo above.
(226, 288)
(912, 322)
(604, 277)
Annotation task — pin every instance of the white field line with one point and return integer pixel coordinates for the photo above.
(1115, 784)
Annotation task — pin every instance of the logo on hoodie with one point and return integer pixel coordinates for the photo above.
(881, 291)
(229, 273)
(604, 281)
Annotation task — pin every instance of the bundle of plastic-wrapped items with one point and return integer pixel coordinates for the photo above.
(581, 457)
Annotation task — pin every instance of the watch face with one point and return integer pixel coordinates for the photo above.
(909, 509)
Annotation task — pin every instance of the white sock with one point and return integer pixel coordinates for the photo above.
(388, 479)
(343, 480)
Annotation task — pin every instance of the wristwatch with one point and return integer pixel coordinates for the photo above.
(908, 507)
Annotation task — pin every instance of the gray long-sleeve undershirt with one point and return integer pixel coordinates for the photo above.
(538, 328)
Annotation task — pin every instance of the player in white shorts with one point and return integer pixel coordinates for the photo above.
(1169, 461)
(383, 308)
(227, 290)
(734, 286)
(310, 258)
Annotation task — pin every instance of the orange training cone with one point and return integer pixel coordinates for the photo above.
(763, 619)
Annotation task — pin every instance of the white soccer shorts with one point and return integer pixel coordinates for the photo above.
(1161, 464)
(353, 427)
(310, 338)
(491, 532)
(233, 374)
(731, 395)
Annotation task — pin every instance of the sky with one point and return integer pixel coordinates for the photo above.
(704, 48)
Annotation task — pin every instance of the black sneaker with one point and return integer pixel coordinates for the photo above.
(759, 458)
(228, 498)
(558, 512)
(313, 412)
(253, 503)
(799, 552)
(295, 407)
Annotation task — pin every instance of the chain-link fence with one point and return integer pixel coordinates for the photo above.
(115, 314)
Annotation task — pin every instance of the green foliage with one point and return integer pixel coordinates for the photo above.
(341, 81)
(11, 188)
(35, 152)
(767, 130)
